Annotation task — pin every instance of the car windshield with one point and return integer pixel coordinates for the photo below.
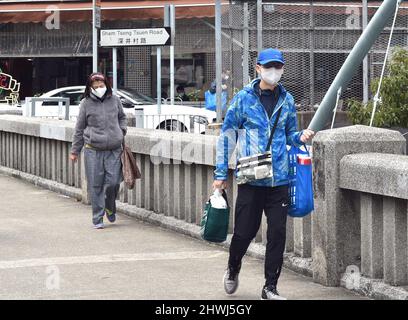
(137, 96)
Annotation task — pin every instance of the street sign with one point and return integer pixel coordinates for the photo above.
(135, 37)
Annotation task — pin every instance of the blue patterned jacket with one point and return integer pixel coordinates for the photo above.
(247, 125)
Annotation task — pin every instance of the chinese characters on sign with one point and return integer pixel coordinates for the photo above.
(135, 37)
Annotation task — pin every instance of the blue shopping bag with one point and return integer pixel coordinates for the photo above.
(300, 183)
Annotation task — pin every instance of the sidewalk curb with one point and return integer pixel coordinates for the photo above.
(375, 289)
(54, 186)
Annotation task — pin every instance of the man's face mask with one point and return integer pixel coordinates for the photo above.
(271, 75)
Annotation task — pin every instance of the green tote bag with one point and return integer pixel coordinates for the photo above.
(214, 222)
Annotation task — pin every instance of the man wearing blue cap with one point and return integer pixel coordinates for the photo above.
(253, 113)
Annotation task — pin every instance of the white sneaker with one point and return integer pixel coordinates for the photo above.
(270, 293)
(99, 226)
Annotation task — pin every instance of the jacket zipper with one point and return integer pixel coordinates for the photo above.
(104, 118)
(269, 128)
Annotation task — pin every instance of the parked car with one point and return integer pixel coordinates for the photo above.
(172, 117)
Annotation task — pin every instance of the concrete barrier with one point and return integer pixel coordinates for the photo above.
(360, 183)
(381, 181)
(177, 173)
(339, 233)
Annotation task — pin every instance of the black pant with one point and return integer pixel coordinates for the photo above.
(251, 202)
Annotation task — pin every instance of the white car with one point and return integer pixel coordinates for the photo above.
(172, 117)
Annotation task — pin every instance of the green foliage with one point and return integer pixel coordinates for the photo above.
(194, 95)
(392, 110)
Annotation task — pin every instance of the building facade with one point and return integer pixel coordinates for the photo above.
(48, 44)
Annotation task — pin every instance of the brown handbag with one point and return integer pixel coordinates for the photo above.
(130, 169)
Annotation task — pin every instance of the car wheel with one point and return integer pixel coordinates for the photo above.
(173, 125)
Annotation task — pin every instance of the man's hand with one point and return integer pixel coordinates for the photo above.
(73, 157)
(219, 184)
(307, 135)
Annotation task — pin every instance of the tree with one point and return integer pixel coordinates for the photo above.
(392, 109)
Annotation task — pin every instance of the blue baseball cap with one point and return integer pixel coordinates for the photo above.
(270, 55)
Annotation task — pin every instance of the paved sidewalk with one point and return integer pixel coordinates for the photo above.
(50, 251)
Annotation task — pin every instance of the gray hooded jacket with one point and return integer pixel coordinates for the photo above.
(101, 124)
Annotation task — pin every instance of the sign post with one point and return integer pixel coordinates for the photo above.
(137, 37)
(170, 21)
(115, 69)
(96, 24)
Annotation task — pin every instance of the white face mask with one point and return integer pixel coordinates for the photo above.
(99, 92)
(271, 75)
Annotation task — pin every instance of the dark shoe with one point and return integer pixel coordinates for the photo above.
(271, 293)
(231, 281)
(110, 215)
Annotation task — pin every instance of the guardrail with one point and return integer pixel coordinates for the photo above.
(174, 122)
(360, 217)
(63, 104)
(380, 191)
(177, 172)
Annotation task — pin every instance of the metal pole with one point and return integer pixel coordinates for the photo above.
(158, 80)
(218, 58)
(170, 21)
(173, 38)
(365, 61)
(311, 57)
(245, 40)
(115, 69)
(94, 39)
(353, 61)
(259, 24)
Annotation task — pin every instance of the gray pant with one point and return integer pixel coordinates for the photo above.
(104, 175)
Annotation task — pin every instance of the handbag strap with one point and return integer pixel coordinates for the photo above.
(273, 130)
(224, 195)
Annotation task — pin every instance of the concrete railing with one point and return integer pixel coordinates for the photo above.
(360, 219)
(177, 173)
(360, 216)
(380, 185)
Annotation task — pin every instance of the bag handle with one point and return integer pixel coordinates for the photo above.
(224, 195)
(307, 150)
(273, 130)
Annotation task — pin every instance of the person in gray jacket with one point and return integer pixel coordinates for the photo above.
(100, 128)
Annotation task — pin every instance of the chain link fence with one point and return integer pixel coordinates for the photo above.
(315, 38)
